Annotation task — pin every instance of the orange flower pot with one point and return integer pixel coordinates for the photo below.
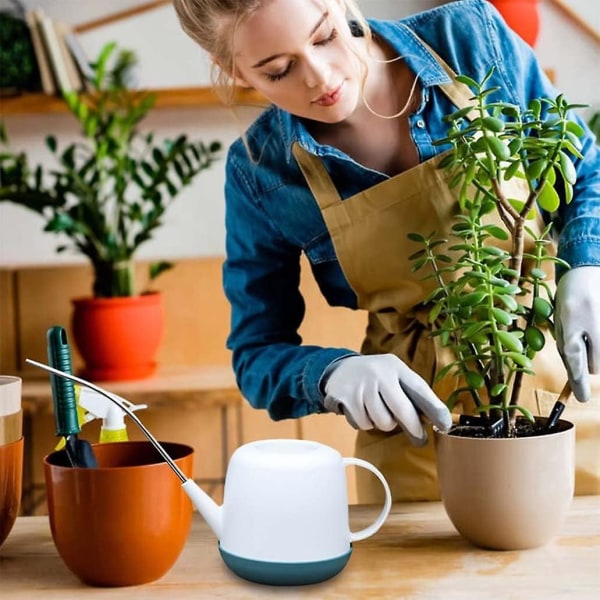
(118, 338)
(522, 16)
(125, 522)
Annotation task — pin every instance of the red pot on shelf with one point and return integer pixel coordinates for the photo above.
(118, 338)
(522, 16)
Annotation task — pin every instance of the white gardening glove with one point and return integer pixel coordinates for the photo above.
(381, 392)
(577, 326)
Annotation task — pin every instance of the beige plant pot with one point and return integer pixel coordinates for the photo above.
(507, 494)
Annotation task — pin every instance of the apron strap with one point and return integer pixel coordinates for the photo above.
(317, 177)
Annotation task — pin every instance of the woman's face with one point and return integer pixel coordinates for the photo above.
(298, 54)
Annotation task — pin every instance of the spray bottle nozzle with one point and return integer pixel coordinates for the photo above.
(99, 407)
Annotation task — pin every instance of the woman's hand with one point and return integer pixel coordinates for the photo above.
(382, 392)
(577, 326)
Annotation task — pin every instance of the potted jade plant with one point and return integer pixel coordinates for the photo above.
(107, 194)
(506, 478)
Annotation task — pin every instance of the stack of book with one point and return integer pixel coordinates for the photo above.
(62, 62)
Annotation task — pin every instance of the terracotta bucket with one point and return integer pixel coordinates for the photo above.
(11, 485)
(125, 522)
(11, 452)
(507, 494)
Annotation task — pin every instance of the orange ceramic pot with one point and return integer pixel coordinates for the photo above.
(11, 483)
(125, 522)
(118, 338)
(522, 16)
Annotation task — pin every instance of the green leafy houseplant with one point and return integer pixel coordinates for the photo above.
(110, 190)
(19, 68)
(594, 125)
(491, 301)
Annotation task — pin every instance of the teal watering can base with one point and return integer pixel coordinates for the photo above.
(281, 573)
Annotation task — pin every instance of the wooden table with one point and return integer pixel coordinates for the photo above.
(188, 388)
(416, 554)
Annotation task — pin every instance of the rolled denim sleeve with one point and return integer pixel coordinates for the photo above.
(261, 277)
(579, 241)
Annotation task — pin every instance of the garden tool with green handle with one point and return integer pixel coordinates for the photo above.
(79, 453)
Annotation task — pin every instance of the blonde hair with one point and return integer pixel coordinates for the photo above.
(212, 25)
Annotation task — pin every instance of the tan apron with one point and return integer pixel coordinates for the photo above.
(369, 232)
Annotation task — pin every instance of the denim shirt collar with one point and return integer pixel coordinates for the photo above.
(408, 45)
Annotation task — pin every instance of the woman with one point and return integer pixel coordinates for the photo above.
(355, 110)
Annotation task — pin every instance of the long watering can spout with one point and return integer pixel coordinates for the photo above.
(203, 503)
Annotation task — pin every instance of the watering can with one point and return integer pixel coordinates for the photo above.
(284, 518)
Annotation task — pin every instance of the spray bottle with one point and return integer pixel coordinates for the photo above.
(97, 406)
(92, 405)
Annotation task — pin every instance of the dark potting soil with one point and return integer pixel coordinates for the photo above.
(521, 428)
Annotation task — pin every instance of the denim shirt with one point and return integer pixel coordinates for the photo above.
(272, 217)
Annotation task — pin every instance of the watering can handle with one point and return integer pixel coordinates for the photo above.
(385, 511)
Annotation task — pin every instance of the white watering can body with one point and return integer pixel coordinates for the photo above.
(285, 509)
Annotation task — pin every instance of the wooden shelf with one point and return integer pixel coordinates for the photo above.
(193, 97)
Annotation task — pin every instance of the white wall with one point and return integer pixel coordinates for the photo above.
(572, 53)
(194, 224)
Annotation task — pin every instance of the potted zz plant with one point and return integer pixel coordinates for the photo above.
(506, 477)
(108, 194)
